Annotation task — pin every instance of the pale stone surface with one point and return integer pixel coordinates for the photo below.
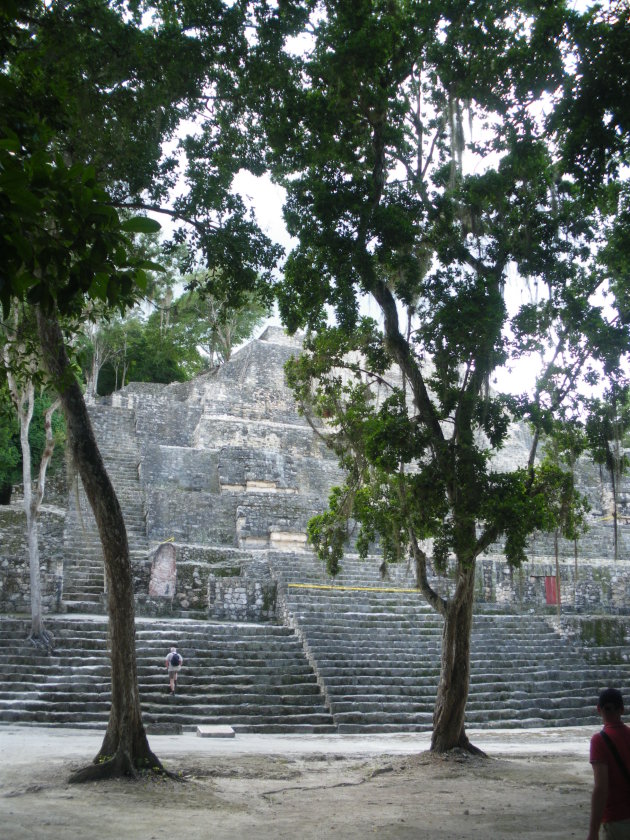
(216, 731)
(229, 471)
(163, 580)
(285, 787)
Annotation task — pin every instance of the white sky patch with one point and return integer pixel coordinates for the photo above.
(266, 200)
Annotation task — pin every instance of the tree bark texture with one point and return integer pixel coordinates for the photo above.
(23, 396)
(452, 695)
(31, 508)
(125, 748)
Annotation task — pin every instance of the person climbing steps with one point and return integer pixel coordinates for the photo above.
(174, 662)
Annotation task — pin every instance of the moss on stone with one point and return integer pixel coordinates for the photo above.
(602, 632)
(227, 571)
(269, 599)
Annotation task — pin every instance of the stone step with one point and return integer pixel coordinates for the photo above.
(381, 682)
(241, 723)
(368, 628)
(97, 679)
(394, 647)
(204, 651)
(149, 629)
(382, 727)
(317, 600)
(403, 720)
(253, 676)
(87, 568)
(272, 707)
(214, 660)
(84, 606)
(300, 687)
(349, 621)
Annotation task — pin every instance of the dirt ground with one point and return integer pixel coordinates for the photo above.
(387, 789)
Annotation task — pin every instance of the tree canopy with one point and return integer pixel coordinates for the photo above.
(182, 338)
(422, 171)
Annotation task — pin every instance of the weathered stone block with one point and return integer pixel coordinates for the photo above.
(184, 468)
(163, 580)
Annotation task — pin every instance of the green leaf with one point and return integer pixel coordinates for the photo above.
(15, 186)
(10, 144)
(141, 224)
(104, 210)
(151, 266)
(22, 246)
(98, 286)
(21, 282)
(141, 280)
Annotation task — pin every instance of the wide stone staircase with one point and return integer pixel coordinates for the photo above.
(375, 646)
(253, 677)
(84, 586)
(359, 654)
(524, 673)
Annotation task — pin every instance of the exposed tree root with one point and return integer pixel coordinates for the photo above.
(122, 765)
(44, 641)
(462, 745)
(472, 749)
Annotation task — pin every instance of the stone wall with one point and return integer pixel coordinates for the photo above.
(595, 587)
(602, 640)
(250, 596)
(217, 583)
(179, 468)
(227, 470)
(15, 585)
(199, 517)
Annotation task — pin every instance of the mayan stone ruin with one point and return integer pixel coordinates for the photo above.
(217, 479)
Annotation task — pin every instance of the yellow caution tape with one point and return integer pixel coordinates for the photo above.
(350, 588)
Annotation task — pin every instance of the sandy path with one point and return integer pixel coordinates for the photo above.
(535, 784)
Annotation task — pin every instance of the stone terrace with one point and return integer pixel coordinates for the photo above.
(251, 676)
(225, 473)
(375, 646)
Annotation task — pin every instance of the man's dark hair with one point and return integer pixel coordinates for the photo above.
(610, 699)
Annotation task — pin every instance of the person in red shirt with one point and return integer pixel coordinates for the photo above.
(610, 801)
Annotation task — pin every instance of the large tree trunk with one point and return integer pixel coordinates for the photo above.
(452, 694)
(125, 748)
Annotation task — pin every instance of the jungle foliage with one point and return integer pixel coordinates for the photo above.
(434, 160)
